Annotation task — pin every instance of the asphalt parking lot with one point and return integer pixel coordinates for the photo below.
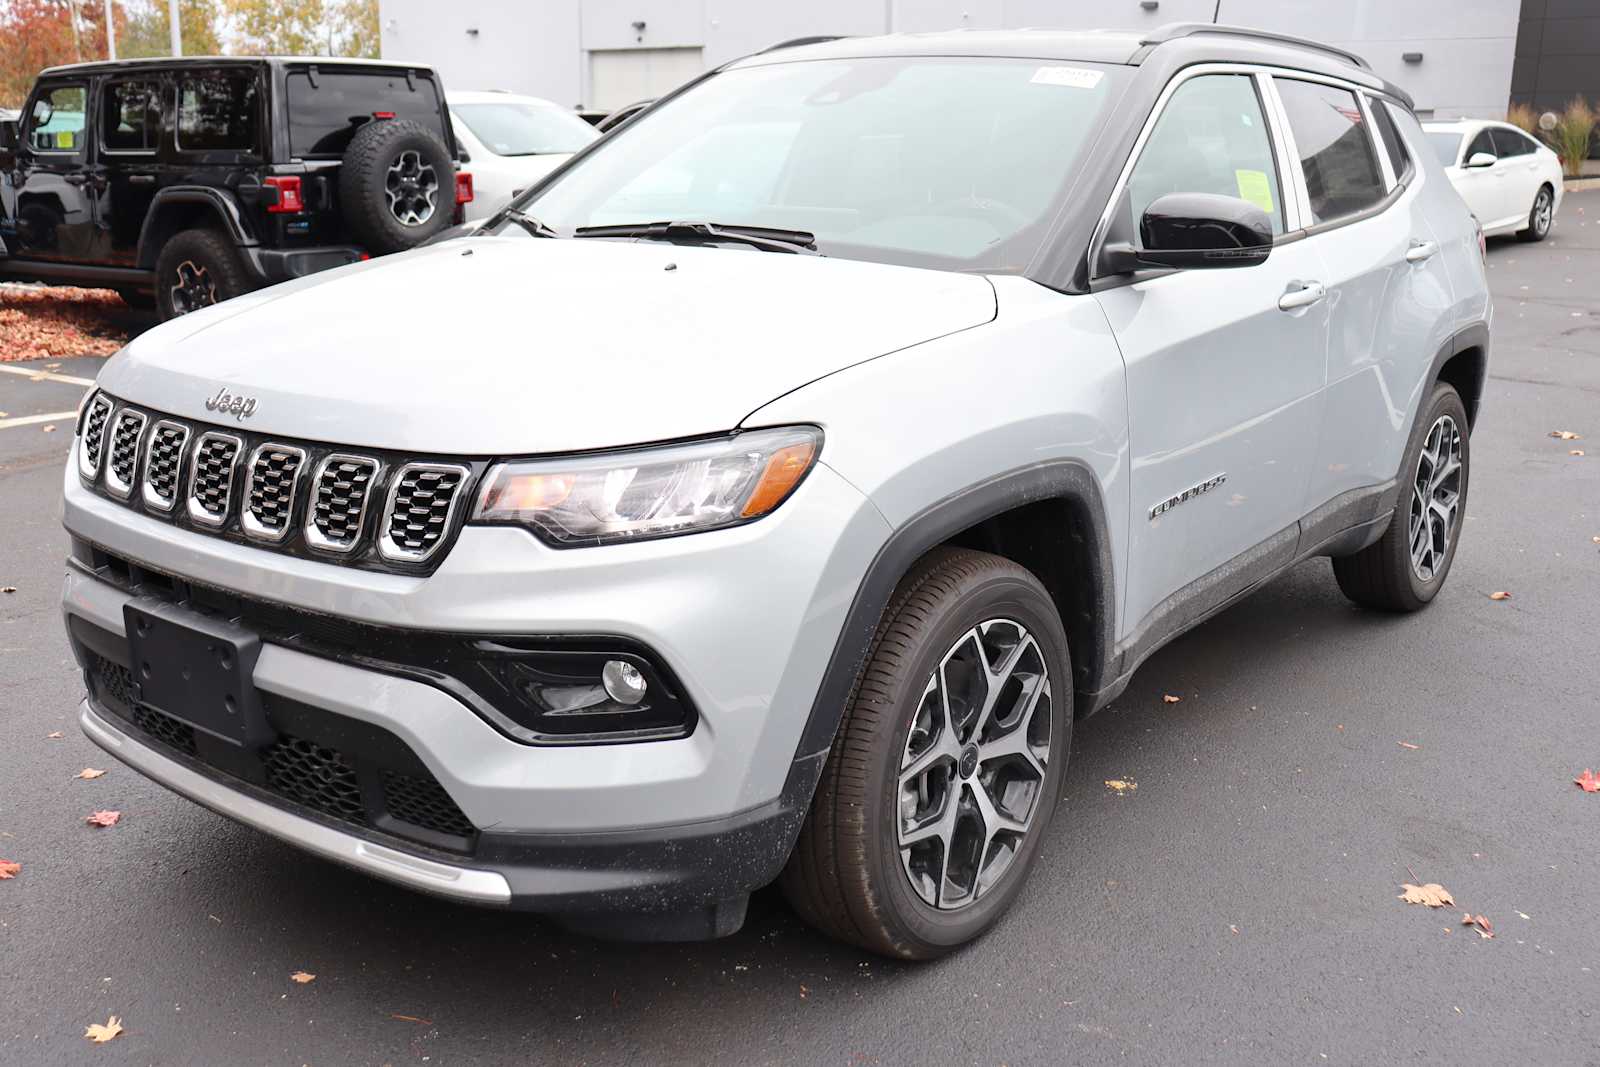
(1239, 906)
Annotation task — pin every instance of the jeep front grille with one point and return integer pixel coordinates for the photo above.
(339, 492)
(94, 435)
(274, 475)
(421, 502)
(307, 499)
(123, 463)
(211, 477)
(163, 462)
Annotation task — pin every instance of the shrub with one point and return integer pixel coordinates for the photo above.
(1524, 118)
(1573, 133)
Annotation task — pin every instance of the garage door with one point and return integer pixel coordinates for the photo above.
(625, 75)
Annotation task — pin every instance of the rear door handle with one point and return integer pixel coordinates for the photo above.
(1301, 295)
(141, 179)
(1421, 250)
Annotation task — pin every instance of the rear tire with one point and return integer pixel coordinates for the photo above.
(1540, 216)
(196, 269)
(1405, 569)
(961, 625)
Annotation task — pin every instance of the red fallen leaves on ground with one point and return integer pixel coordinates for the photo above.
(1588, 781)
(1481, 923)
(103, 818)
(9, 870)
(40, 323)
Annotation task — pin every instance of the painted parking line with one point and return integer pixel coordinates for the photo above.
(67, 417)
(45, 375)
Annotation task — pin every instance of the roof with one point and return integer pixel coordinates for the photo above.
(1461, 125)
(99, 65)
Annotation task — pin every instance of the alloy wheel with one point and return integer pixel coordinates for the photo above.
(1436, 498)
(1543, 208)
(973, 768)
(413, 189)
(194, 288)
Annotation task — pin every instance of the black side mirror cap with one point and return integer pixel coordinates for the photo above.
(1187, 231)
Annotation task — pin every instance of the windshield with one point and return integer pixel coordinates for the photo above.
(952, 162)
(512, 128)
(1446, 145)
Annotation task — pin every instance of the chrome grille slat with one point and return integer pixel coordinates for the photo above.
(122, 459)
(422, 501)
(163, 464)
(211, 476)
(94, 436)
(341, 488)
(274, 475)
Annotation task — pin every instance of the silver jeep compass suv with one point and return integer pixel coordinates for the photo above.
(764, 494)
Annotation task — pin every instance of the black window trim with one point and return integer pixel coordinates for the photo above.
(43, 89)
(151, 79)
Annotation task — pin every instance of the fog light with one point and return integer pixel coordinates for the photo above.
(623, 682)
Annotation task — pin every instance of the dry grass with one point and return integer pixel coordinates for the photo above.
(54, 323)
(1573, 135)
(1524, 118)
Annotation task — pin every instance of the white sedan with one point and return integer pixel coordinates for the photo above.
(513, 141)
(1511, 182)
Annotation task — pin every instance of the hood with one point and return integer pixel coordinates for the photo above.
(496, 346)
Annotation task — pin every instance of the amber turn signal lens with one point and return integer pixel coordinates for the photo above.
(783, 472)
(533, 492)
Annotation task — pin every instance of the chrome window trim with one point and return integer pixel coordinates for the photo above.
(115, 485)
(1375, 138)
(1383, 203)
(386, 546)
(199, 514)
(315, 538)
(90, 472)
(253, 527)
(1289, 153)
(151, 498)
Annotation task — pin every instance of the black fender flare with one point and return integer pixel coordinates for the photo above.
(1474, 335)
(224, 207)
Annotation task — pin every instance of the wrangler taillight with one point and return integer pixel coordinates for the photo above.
(290, 200)
(463, 187)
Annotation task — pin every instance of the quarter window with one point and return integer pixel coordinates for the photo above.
(1336, 154)
(217, 112)
(130, 117)
(1210, 138)
(1390, 136)
(57, 121)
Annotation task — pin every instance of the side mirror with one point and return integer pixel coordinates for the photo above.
(8, 135)
(1483, 159)
(1185, 231)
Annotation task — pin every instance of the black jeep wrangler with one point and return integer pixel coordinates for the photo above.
(182, 182)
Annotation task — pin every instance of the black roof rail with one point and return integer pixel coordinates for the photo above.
(796, 42)
(1174, 30)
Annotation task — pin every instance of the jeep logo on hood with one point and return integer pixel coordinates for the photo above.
(240, 407)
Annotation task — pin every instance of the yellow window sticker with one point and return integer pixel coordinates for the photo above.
(1256, 188)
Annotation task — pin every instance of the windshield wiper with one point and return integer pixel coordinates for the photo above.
(529, 223)
(770, 238)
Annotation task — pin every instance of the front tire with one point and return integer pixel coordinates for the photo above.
(947, 767)
(1405, 569)
(196, 269)
(1540, 216)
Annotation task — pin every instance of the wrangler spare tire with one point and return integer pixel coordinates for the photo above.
(396, 185)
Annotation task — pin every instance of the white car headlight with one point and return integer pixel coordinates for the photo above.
(650, 492)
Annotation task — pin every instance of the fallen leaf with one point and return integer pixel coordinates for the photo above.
(101, 1034)
(411, 1019)
(48, 427)
(54, 735)
(1484, 927)
(1408, 744)
(8, 589)
(1501, 595)
(1121, 785)
(1170, 699)
(88, 774)
(1576, 452)
(104, 818)
(1433, 895)
(302, 977)
(1588, 781)
(1566, 435)
(9, 870)
(1596, 540)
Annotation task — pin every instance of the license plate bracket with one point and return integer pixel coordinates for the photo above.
(198, 669)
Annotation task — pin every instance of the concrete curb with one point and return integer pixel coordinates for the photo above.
(1578, 185)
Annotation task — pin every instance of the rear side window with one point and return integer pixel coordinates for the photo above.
(1510, 142)
(130, 116)
(218, 111)
(1211, 138)
(325, 112)
(1398, 160)
(1336, 154)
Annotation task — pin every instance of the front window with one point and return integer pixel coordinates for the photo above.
(57, 122)
(952, 162)
(1447, 146)
(513, 128)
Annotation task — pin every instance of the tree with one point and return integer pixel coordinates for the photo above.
(356, 24)
(149, 34)
(35, 34)
(307, 27)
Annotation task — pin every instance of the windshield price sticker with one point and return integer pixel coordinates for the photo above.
(1072, 77)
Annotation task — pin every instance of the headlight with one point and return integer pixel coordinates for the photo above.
(651, 492)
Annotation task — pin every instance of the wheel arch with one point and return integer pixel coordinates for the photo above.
(180, 208)
(1463, 363)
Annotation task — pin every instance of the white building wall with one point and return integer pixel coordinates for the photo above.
(544, 47)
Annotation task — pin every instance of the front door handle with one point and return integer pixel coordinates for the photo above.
(1301, 295)
(1421, 250)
